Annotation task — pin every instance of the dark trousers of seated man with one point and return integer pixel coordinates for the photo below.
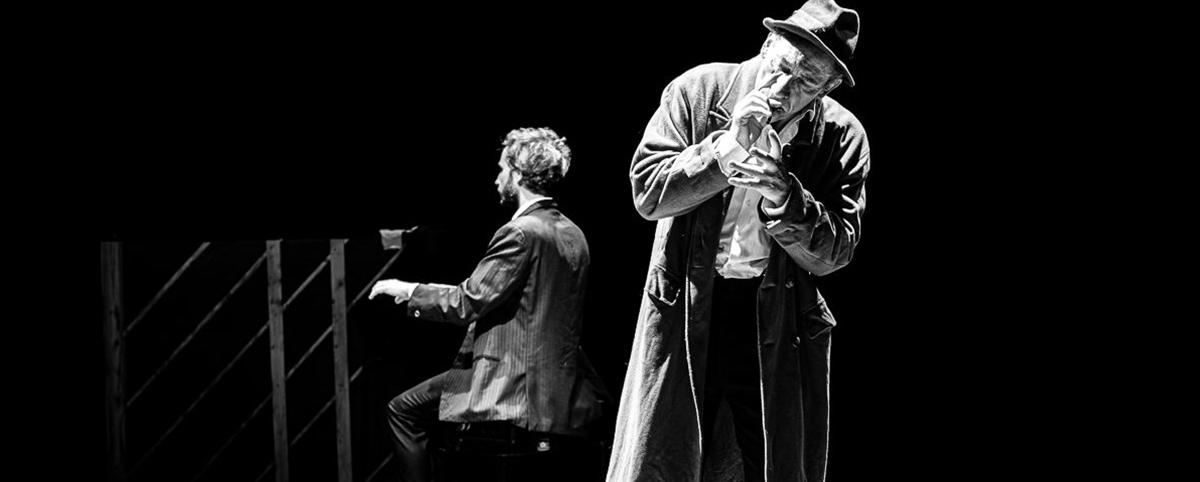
(413, 418)
(412, 415)
(732, 367)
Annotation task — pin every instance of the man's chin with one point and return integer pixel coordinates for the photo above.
(508, 200)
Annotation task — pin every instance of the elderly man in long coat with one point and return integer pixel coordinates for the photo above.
(755, 178)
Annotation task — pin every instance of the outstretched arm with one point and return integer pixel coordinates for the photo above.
(501, 272)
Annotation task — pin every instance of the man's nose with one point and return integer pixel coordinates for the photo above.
(780, 85)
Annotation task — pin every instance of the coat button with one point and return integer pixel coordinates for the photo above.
(416, 313)
(796, 342)
(790, 283)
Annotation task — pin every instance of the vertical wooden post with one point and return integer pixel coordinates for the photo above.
(341, 364)
(114, 357)
(278, 369)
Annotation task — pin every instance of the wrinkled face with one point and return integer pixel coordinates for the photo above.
(506, 183)
(806, 74)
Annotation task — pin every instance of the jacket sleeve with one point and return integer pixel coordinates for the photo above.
(820, 233)
(503, 271)
(670, 174)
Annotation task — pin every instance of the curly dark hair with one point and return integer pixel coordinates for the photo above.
(540, 155)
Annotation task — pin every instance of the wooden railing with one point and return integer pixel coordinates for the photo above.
(124, 465)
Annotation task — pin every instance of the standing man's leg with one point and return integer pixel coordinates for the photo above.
(733, 369)
(744, 404)
(410, 416)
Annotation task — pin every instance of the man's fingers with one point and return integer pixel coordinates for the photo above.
(757, 112)
(758, 98)
(745, 168)
(774, 145)
(747, 182)
(764, 156)
(378, 288)
(755, 98)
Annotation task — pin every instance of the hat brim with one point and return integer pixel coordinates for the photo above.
(773, 25)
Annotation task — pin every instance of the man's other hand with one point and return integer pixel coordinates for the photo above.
(401, 290)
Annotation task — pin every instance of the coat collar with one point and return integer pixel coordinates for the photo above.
(539, 203)
(743, 82)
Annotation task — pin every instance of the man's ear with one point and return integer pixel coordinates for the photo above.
(833, 84)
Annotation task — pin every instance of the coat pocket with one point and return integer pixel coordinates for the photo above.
(817, 320)
(662, 286)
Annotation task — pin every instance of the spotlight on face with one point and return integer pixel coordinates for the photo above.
(807, 75)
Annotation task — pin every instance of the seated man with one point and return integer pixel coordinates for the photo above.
(521, 362)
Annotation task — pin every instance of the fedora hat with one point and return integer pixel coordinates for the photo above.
(830, 27)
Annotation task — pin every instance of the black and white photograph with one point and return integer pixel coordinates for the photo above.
(513, 241)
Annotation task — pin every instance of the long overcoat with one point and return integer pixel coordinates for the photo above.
(677, 182)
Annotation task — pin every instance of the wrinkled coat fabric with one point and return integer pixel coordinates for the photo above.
(676, 181)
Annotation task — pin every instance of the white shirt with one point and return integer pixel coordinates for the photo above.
(526, 205)
(744, 245)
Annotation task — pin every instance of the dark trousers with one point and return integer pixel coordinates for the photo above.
(413, 418)
(732, 368)
(412, 415)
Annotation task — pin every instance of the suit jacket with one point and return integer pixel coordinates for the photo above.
(520, 360)
(676, 181)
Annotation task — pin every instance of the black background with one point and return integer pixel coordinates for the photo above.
(315, 122)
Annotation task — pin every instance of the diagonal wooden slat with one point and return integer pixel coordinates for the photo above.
(196, 402)
(380, 467)
(232, 437)
(324, 408)
(267, 398)
(192, 335)
(178, 273)
(373, 280)
(306, 282)
(262, 405)
(311, 421)
(311, 348)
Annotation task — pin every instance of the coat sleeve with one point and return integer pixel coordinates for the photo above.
(670, 174)
(820, 232)
(501, 272)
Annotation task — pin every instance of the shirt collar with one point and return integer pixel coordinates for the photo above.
(802, 126)
(524, 207)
